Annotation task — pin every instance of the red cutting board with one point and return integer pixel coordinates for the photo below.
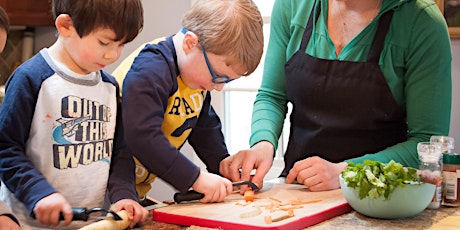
(226, 215)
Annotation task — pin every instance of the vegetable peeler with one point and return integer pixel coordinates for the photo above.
(85, 214)
(194, 195)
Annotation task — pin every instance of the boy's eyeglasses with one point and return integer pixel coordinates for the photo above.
(216, 79)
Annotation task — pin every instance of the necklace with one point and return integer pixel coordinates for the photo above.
(344, 25)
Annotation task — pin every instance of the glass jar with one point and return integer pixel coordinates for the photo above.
(451, 179)
(430, 154)
(447, 145)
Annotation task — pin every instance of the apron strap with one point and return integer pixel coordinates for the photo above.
(309, 28)
(379, 37)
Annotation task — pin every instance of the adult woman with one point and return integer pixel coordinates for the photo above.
(370, 80)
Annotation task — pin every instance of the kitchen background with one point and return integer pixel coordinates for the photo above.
(33, 30)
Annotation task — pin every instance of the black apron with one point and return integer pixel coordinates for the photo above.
(341, 109)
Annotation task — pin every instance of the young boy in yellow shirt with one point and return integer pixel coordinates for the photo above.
(167, 94)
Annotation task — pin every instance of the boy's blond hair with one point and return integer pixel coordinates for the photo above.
(232, 28)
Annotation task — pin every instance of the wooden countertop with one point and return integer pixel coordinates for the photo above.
(352, 220)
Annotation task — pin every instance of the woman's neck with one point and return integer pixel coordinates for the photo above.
(347, 18)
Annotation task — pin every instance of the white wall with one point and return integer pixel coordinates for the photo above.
(455, 117)
(161, 18)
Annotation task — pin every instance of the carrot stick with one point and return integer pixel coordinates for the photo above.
(430, 178)
(249, 195)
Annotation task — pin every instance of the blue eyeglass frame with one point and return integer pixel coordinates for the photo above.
(216, 79)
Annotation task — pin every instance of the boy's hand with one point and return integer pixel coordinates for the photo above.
(215, 188)
(6, 223)
(136, 213)
(48, 209)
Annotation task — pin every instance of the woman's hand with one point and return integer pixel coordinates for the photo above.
(238, 167)
(316, 173)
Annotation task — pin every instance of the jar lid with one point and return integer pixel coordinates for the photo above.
(446, 141)
(429, 152)
(451, 158)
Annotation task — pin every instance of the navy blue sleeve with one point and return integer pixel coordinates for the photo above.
(146, 89)
(207, 138)
(16, 113)
(122, 179)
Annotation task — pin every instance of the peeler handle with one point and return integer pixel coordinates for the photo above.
(78, 214)
(188, 196)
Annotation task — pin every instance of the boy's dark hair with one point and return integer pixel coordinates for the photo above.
(4, 21)
(124, 17)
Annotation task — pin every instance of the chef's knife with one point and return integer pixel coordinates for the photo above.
(194, 195)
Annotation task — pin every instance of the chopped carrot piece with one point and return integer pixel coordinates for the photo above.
(249, 195)
(273, 198)
(268, 219)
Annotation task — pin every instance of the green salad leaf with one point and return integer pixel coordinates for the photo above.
(375, 179)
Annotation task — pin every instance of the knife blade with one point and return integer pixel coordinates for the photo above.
(154, 204)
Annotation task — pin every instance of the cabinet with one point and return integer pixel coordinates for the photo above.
(28, 12)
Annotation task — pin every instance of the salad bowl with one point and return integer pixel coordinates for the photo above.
(394, 200)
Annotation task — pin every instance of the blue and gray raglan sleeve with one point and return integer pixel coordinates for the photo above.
(16, 113)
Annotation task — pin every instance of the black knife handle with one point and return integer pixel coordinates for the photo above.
(188, 196)
(78, 214)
